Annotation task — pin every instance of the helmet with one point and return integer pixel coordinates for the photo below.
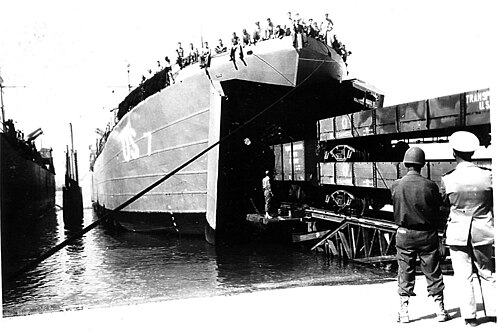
(464, 141)
(414, 155)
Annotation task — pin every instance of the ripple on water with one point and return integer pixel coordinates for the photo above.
(108, 268)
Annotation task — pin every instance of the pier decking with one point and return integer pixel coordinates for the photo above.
(359, 239)
(370, 308)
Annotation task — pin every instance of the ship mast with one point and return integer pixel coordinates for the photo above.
(1, 99)
(1, 103)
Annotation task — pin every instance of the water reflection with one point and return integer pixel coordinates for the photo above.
(115, 268)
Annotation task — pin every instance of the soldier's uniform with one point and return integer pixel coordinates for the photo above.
(468, 192)
(268, 194)
(416, 209)
(417, 202)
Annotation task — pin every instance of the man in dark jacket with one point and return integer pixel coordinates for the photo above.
(417, 202)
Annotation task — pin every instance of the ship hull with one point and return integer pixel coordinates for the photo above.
(203, 109)
(27, 188)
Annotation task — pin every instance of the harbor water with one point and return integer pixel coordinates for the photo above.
(111, 268)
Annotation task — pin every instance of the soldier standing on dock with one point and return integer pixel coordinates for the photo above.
(268, 194)
(468, 191)
(417, 204)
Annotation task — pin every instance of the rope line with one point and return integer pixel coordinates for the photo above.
(109, 214)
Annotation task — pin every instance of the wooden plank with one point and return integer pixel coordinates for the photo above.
(375, 259)
(372, 242)
(352, 240)
(365, 241)
(332, 248)
(389, 242)
(309, 236)
(371, 223)
(380, 242)
(329, 235)
(357, 241)
(337, 219)
(259, 218)
(346, 245)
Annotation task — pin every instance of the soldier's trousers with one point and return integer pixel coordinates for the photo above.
(413, 244)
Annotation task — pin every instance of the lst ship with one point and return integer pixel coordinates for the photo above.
(278, 89)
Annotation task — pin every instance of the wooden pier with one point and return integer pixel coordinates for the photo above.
(359, 239)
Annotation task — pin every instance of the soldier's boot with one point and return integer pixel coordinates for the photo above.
(403, 316)
(441, 314)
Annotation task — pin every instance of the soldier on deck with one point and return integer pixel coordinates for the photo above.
(180, 55)
(246, 38)
(220, 48)
(206, 54)
(256, 33)
(268, 194)
(193, 54)
(468, 192)
(168, 72)
(269, 30)
(417, 203)
(235, 41)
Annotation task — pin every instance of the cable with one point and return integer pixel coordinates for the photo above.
(275, 69)
(109, 214)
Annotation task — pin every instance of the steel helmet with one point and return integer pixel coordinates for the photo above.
(464, 141)
(414, 155)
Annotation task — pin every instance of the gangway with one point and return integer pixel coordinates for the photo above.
(360, 239)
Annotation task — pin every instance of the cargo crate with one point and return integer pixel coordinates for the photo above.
(363, 124)
(343, 173)
(477, 107)
(412, 116)
(363, 174)
(386, 173)
(386, 120)
(445, 111)
(343, 126)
